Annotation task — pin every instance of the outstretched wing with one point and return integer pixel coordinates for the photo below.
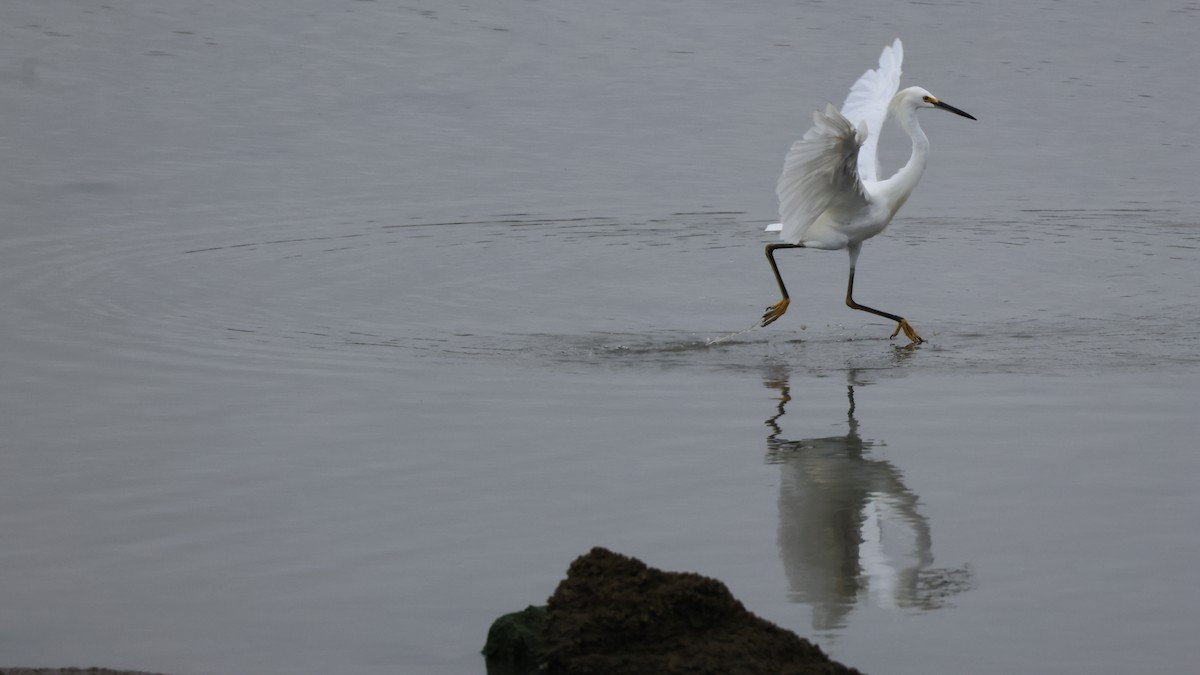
(820, 172)
(867, 103)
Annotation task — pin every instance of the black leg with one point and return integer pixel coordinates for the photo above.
(775, 311)
(901, 322)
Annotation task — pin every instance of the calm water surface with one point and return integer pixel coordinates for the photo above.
(331, 330)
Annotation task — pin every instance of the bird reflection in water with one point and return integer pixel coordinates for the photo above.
(849, 529)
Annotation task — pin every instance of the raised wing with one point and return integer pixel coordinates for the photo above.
(820, 172)
(867, 103)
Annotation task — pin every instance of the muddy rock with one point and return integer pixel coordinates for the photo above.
(614, 615)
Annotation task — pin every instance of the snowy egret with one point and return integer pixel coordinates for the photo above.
(830, 194)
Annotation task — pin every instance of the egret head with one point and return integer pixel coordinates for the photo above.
(908, 100)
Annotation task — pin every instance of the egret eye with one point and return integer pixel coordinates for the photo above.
(928, 99)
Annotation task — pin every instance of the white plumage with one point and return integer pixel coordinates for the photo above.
(820, 175)
(867, 103)
(830, 193)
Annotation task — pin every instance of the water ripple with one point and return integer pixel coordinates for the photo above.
(1037, 290)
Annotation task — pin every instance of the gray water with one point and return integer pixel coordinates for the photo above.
(331, 330)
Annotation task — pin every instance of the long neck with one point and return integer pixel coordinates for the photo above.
(903, 182)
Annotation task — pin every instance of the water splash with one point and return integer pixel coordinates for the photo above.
(725, 338)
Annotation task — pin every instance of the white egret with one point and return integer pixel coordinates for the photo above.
(831, 195)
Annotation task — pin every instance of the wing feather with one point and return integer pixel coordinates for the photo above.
(820, 172)
(868, 102)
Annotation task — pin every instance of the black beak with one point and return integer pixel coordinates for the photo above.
(956, 111)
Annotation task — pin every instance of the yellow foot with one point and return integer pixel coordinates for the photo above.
(775, 311)
(909, 332)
